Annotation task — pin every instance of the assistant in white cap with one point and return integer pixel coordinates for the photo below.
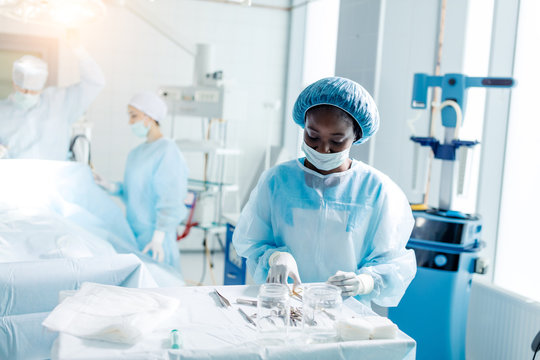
(35, 122)
(30, 73)
(150, 104)
(155, 182)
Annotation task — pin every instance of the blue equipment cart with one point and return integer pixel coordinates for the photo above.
(434, 308)
(235, 265)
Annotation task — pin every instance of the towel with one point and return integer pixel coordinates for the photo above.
(110, 313)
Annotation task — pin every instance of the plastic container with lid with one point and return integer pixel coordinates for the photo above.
(273, 311)
(321, 311)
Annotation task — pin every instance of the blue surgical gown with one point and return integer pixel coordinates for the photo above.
(44, 130)
(356, 221)
(154, 189)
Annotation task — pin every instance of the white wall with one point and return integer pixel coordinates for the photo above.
(381, 45)
(409, 45)
(312, 56)
(295, 78)
(358, 55)
(518, 246)
(250, 47)
(496, 125)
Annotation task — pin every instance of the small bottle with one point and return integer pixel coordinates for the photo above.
(321, 309)
(176, 341)
(273, 311)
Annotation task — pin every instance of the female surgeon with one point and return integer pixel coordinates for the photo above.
(155, 182)
(327, 217)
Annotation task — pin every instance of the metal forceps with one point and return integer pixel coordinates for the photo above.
(247, 317)
(222, 299)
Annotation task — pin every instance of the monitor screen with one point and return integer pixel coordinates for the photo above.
(438, 231)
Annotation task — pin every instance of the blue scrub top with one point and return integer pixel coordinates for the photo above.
(357, 221)
(154, 189)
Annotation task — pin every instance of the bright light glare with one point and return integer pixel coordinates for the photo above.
(23, 189)
(65, 12)
(518, 248)
(70, 14)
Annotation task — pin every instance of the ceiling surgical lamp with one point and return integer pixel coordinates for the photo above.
(69, 13)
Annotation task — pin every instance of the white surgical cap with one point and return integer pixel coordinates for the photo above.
(30, 73)
(150, 104)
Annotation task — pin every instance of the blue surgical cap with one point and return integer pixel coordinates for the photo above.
(345, 94)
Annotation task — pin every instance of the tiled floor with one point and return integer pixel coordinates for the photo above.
(196, 269)
(194, 265)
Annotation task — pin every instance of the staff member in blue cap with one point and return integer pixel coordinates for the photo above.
(327, 217)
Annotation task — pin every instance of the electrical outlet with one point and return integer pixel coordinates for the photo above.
(480, 266)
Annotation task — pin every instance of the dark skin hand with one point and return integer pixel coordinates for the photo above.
(327, 132)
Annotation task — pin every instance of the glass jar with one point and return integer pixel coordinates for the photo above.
(321, 311)
(273, 311)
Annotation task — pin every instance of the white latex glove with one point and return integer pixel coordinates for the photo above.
(3, 151)
(107, 185)
(156, 246)
(282, 266)
(352, 284)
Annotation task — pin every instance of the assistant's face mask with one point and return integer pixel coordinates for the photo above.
(139, 129)
(25, 101)
(325, 162)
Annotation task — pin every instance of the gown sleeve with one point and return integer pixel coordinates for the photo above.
(253, 237)
(78, 97)
(387, 260)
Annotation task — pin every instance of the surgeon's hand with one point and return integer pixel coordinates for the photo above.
(282, 266)
(352, 284)
(106, 185)
(156, 246)
(3, 151)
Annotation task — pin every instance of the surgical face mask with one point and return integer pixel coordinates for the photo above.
(25, 101)
(139, 129)
(325, 162)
